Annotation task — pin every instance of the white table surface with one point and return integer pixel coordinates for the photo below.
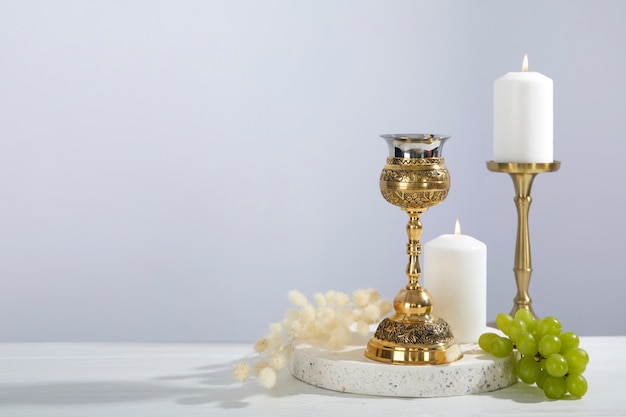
(194, 379)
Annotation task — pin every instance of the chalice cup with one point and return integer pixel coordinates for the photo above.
(414, 178)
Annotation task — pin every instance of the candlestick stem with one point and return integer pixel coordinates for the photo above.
(522, 175)
(523, 265)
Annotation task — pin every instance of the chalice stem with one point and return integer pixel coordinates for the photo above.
(523, 266)
(414, 248)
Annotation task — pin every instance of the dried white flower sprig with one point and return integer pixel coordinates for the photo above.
(330, 320)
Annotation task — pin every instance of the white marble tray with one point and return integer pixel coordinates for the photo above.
(349, 370)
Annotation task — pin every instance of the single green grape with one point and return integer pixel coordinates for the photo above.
(576, 385)
(541, 378)
(517, 327)
(501, 347)
(503, 321)
(485, 340)
(576, 371)
(569, 340)
(527, 344)
(556, 365)
(554, 387)
(577, 358)
(528, 369)
(548, 325)
(548, 345)
(524, 315)
(532, 326)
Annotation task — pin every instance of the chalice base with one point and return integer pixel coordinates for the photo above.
(399, 354)
(391, 343)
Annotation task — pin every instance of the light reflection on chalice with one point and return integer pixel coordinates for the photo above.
(414, 178)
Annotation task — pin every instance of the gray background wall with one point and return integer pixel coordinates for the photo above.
(169, 170)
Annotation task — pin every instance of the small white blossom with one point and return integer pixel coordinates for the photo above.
(261, 345)
(320, 299)
(241, 372)
(371, 313)
(267, 377)
(373, 294)
(307, 314)
(345, 317)
(362, 328)
(293, 328)
(339, 337)
(277, 361)
(337, 298)
(326, 316)
(297, 298)
(361, 298)
(292, 314)
(259, 366)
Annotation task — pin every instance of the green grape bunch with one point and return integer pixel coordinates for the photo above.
(547, 356)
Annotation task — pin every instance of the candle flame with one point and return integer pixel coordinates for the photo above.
(457, 227)
(525, 63)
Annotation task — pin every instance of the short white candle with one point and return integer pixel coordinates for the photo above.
(455, 274)
(523, 117)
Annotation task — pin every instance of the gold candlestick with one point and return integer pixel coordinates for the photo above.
(523, 175)
(414, 178)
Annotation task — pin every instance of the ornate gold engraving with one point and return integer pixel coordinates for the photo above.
(411, 176)
(422, 199)
(415, 183)
(412, 333)
(414, 161)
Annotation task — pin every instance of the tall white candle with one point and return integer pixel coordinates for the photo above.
(455, 274)
(523, 117)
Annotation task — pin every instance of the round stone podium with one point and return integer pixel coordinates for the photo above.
(348, 370)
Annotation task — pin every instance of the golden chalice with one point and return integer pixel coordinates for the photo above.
(414, 178)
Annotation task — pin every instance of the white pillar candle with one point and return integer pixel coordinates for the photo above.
(455, 274)
(523, 117)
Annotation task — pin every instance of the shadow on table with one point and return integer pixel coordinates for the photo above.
(204, 385)
(89, 392)
(208, 385)
(221, 390)
(522, 393)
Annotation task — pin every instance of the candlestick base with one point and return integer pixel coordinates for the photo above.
(523, 174)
